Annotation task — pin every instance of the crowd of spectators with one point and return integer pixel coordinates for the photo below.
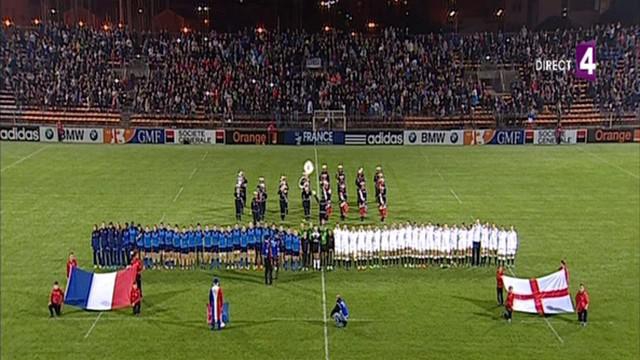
(387, 74)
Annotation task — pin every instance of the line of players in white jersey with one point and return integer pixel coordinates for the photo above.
(422, 245)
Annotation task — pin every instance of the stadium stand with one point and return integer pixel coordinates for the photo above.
(246, 80)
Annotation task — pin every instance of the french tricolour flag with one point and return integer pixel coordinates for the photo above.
(105, 291)
(545, 295)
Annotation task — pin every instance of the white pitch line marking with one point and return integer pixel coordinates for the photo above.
(178, 194)
(193, 173)
(608, 162)
(93, 325)
(23, 159)
(455, 195)
(324, 318)
(205, 154)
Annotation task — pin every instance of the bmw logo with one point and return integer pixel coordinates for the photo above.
(412, 137)
(49, 134)
(453, 137)
(93, 135)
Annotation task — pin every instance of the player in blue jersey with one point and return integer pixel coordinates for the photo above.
(191, 247)
(244, 243)
(175, 247)
(288, 250)
(215, 242)
(139, 240)
(235, 238)
(161, 238)
(166, 246)
(146, 247)
(95, 245)
(126, 244)
(155, 247)
(258, 231)
(251, 246)
(226, 246)
(109, 245)
(275, 251)
(184, 248)
(207, 247)
(118, 245)
(295, 250)
(199, 234)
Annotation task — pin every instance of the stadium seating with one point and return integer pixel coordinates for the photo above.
(248, 80)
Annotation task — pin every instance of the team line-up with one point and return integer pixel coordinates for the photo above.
(245, 247)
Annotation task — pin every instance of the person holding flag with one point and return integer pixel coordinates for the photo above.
(508, 306)
(499, 284)
(56, 298)
(71, 263)
(215, 306)
(582, 305)
(136, 299)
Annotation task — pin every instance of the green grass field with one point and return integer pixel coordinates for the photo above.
(581, 203)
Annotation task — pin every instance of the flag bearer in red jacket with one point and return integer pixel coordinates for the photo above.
(582, 305)
(508, 306)
(136, 299)
(71, 263)
(56, 298)
(500, 285)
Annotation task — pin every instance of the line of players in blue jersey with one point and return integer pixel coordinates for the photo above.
(238, 247)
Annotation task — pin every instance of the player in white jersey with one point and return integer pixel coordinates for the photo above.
(422, 246)
(413, 244)
(337, 243)
(353, 247)
(469, 251)
(361, 248)
(384, 245)
(502, 245)
(446, 243)
(493, 244)
(377, 238)
(430, 243)
(437, 243)
(393, 244)
(368, 246)
(402, 248)
(512, 246)
(484, 243)
(453, 244)
(461, 246)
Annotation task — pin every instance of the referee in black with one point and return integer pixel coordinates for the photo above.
(268, 261)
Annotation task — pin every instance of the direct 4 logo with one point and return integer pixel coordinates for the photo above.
(586, 60)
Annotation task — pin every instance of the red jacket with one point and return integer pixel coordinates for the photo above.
(509, 304)
(137, 264)
(71, 264)
(57, 296)
(135, 296)
(582, 300)
(499, 281)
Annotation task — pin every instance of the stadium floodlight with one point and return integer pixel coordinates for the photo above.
(140, 10)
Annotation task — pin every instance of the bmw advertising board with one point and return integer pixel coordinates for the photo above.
(72, 135)
(433, 137)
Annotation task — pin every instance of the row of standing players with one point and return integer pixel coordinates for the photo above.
(258, 205)
(409, 245)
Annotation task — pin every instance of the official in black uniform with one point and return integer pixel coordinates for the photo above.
(304, 247)
(268, 261)
(322, 205)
